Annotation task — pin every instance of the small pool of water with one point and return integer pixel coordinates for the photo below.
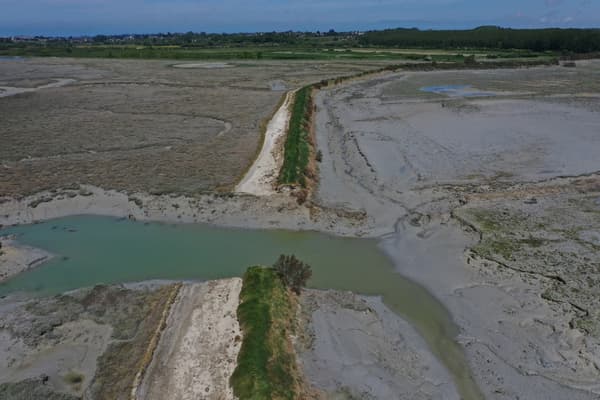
(457, 91)
(277, 86)
(92, 250)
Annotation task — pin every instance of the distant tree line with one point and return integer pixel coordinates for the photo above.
(487, 37)
(204, 40)
(563, 40)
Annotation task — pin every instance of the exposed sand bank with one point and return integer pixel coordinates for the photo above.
(16, 258)
(198, 349)
(261, 178)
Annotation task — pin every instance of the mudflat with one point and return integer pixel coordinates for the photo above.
(353, 346)
(140, 125)
(491, 204)
(83, 343)
(485, 194)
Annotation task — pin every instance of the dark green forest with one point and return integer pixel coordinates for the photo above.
(563, 40)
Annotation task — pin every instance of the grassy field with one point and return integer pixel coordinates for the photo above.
(266, 366)
(182, 53)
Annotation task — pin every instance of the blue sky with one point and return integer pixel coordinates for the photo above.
(74, 17)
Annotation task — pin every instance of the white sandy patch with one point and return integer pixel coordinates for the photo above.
(16, 258)
(6, 91)
(198, 350)
(204, 65)
(260, 180)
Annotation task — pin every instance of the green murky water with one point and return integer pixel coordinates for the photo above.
(92, 250)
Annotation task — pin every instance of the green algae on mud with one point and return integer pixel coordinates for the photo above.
(92, 250)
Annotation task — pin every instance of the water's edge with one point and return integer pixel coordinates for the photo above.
(105, 250)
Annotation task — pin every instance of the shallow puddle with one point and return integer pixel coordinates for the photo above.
(457, 91)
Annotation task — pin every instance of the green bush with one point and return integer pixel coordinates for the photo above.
(293, 273)
(74, 378)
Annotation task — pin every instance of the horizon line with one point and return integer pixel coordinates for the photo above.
(251, 32)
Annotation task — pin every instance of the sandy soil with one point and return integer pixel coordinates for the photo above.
(16, 258)
(198, 349)
(409, 159)
(354, 347)
(261, 178)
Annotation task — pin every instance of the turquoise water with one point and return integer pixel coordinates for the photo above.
(91, 250)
